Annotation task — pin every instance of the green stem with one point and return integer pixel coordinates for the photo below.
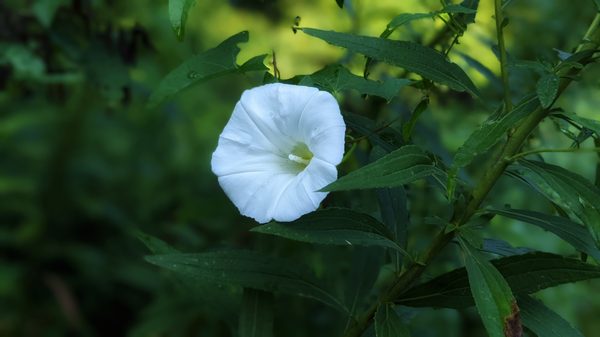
(527, 153)
(499, 15)
(513, 144)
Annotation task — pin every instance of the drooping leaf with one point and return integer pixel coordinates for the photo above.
(526, 274)
(340, 3)
(408, 127)
(573, 233)
(404, 165)
(547, 88)
(250, 270)
(411, 56)
(178, 12)
(334, 226)
(364, 270)
(502, 248)
(155, 245)
(486, 136)
(388, 323)
(367, 128)
(587, 123)
(575, 194)
(212, 63)
(256, 318)
(458, 9)
(337, 78)
(543, 321)
(494, 300)
(393, 205)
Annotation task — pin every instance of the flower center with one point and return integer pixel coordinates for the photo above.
(301, 155)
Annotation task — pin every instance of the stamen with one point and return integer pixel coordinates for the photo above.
(298, 159)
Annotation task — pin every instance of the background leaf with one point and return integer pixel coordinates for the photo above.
(388, 324)
(494, 300)
(215, 62)
(547, 88)
(411, 56)
(248, 269)
(178, 12)
(543, 321)
(576, 195)
(334, 226)
(402, 166)
(570, 231)
(591, 124)
(256, 318)
(525, 274)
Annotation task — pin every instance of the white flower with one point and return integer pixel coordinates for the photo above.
(281, 146)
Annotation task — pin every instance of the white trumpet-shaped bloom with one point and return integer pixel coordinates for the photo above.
(280, 147)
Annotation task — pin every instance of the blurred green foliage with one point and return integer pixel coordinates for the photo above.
(84, 163)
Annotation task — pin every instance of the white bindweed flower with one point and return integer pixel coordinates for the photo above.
(280, 147)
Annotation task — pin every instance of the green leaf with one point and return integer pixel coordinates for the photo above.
(367, 128)
(404, 165)
(587, 123)
(155, 245)
(256, 318)
(547, 88)
(405, 18)
(388, 323)
(572, 192)
(212, 63)
(486, 136)
(543, 321)
(340, 3)
(525, 274)
(408, 127)
(250, 270)
(44, 10)
(570, 231)
(411, 56)
(493, 298)
(335, 78)
(334, 226)
(458, 9)
(178, 12)
(597, 4)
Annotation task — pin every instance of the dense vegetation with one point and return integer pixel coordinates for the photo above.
(468, 202)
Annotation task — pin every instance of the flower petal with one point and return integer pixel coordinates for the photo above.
(323, 128)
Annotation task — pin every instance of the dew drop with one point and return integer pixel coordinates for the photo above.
(193, 75)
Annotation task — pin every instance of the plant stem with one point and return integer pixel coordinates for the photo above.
(527, 153)
(499, 15)
(513, 144)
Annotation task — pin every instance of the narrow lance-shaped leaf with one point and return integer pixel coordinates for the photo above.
(337, 78)
(402, 166)
(256, 318)
(367, 128)
(494, 300)
(334, 226)
(250, 270)
(575, 194)
(178, 12)
(411, 56)
(388, 323)
(547, 88)
(591, 124)
(573, 233)
(526, 274)
(212, 63)
(155, 245)
(486, 136)
(543, 321)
